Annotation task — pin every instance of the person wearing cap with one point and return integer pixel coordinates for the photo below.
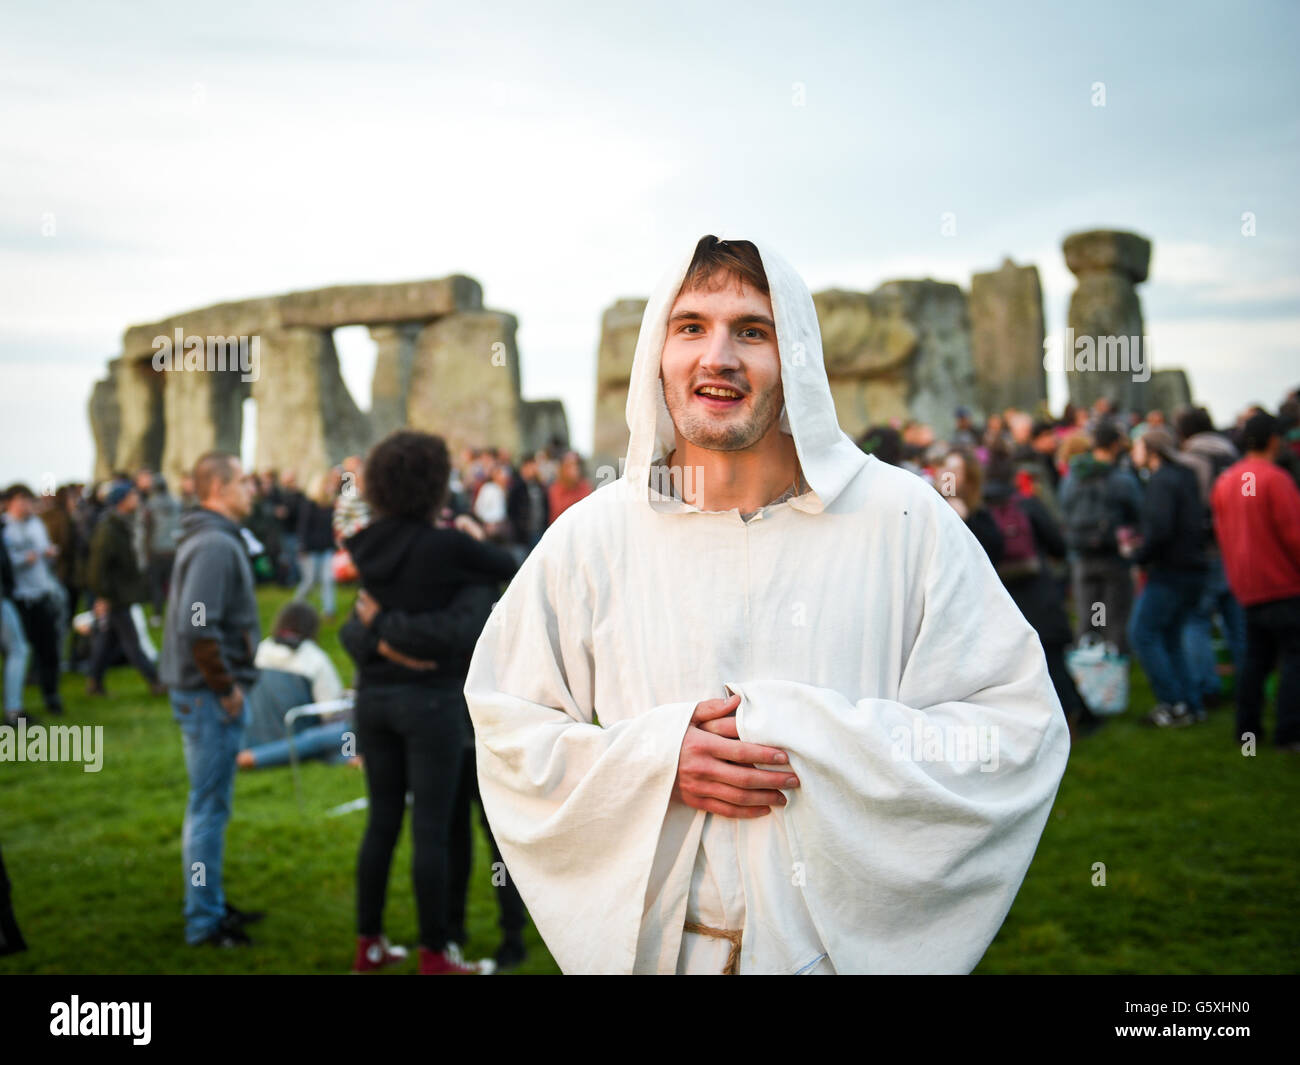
(1172, 549)
(116, 582)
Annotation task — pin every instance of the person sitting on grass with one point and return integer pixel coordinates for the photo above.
(295, 672)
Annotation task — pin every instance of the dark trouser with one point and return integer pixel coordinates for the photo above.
(1071, 701)
(1108, 582)
(411, 737)
(462, 861)
(1272, 639)
(1156, 633)
(41, 624)
(118, 630)
(160, 575)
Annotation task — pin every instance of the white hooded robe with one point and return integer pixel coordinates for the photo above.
(863, 627)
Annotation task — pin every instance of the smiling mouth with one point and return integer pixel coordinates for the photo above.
(718, 397)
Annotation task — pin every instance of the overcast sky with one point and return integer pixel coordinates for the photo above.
(160, 157)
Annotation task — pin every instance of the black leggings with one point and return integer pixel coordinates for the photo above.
(411, 738)
(513, 914)
(113, 632)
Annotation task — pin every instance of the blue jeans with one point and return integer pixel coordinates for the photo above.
(1155, 633)
(318, 568)
(1216, 598)
(14, 641)
(318, 741)
(211, 742)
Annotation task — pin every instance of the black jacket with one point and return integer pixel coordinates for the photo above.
(1173, 529)
(315, 527)
(1038, 595)
(416, 572)
(114, 570)
(519, 510)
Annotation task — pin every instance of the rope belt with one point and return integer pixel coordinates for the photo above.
(732, 968)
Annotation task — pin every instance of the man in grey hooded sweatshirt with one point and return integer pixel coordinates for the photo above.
(209, 644)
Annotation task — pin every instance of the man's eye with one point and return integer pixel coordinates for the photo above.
(758, 334)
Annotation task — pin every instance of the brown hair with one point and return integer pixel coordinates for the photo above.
(716, 261)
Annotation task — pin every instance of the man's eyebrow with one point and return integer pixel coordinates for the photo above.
(761, 319)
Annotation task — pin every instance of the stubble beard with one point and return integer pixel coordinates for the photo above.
(701, 431)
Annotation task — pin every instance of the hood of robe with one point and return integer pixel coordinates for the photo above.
(828, 457)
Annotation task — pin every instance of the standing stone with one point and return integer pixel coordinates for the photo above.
(543, 423)
(1106, 319)
(867, 346)
(465, 381)
(1170, 391)
(1007, 334)
(105, 422)
(394, 356)
(142, 417)
(306, 418)
(203, 412)
(940, 373)
(620, 326)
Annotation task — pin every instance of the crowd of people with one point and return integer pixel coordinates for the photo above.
(1144, 533)
(81, 566)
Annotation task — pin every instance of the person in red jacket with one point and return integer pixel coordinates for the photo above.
(1257, 522)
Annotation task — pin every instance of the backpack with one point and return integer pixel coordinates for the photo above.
(1019, 548)
(1089, 523)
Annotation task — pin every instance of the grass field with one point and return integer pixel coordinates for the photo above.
(1201, 848)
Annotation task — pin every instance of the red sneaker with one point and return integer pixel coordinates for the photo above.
(442, 964)
(375, 952)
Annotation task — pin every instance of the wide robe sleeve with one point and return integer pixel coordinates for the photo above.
(575, 806)
(917, 817)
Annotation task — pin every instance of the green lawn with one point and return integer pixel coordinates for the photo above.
(1201, 847)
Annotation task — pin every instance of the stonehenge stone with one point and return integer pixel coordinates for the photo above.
(105, 422)
(1105, 319)
(203, 411)
(394, 356)
(306, 418)
(1170, 391)
(1007, 334)
(442, 363)
(543, 423)
(939, 374)
(244, 318)
(413, 301)
(620, 326)
(465, 381)
(141, 419)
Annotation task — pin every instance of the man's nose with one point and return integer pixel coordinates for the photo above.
(721, 354)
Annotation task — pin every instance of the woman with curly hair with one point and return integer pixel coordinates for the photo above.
(412, 637)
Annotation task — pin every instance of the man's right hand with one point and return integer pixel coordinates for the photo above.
(232, 702)
(717, 774)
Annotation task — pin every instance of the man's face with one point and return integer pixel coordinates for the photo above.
(20, 507)
(129, 503)
(722, 340)
(237, 495)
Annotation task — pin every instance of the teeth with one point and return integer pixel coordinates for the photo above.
(725, 393)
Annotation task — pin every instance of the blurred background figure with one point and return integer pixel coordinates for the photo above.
(316, 541)
(37, 594)
(569, 486)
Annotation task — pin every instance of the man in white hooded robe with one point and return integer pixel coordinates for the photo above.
(853, 626)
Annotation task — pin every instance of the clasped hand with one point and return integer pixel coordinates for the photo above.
(716, 769)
